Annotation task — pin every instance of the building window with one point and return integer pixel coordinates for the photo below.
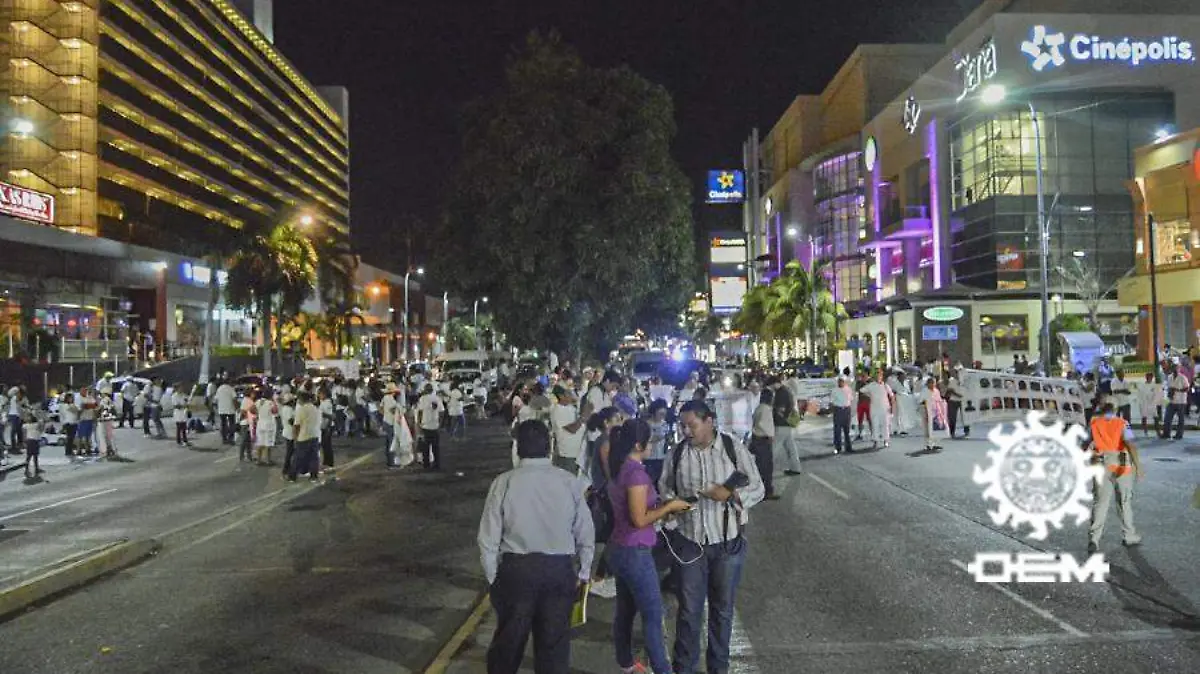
(881, 344)
(904, 352)
(1004, 332)
(866, 340)
(1173, 242)
(841, 213)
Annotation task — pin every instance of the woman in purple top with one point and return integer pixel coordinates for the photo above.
(635, 510)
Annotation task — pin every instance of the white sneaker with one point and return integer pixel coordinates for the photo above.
(605, 589)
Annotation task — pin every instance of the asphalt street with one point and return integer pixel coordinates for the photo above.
(859, 568)
(367, 573)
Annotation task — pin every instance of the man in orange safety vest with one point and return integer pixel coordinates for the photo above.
(1112, 442)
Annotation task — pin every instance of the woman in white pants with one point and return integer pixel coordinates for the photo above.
(933, 415)
(882, 400)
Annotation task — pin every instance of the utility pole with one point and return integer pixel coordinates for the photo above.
(1153, 291)
(752, 209)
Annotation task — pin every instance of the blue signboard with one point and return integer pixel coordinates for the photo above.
(726, 187)
(939, 333)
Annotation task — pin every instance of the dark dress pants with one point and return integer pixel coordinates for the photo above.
(764, 459)
(533, 594)
(841, 429)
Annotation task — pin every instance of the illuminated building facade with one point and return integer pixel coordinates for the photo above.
(163, 125)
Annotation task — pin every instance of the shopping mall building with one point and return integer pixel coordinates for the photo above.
(138, 134)
(927, 213)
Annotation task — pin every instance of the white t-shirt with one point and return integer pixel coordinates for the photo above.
(287, 414)
(179, 411)
(567, 444)
(428, 408)
(326, 409)
(226, 399)
(388, 408)
(455, 407)
(598, 398)
(68, 413)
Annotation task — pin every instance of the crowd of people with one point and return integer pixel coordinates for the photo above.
(599, 465)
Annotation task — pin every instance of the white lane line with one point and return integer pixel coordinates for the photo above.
(828, 486)
(968, 644)
(56, 504)
(223, 459)
(741, 651)
(1038, 610)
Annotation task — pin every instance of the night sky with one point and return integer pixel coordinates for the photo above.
(410, 67)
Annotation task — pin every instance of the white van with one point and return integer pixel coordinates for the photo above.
(463, 365)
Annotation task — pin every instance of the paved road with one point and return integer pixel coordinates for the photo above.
(857, 569)
(78, 506)
(370, 573)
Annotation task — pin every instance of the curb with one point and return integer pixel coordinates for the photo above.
(445, 656)
(74, 575)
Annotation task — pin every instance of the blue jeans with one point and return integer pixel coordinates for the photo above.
(714, 577)
(638, 591)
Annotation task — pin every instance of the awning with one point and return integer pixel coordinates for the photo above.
(1081, 340)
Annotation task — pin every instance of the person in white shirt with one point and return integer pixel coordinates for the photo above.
(16, 417)
(1150, 398)
(1178, 387)
(246, 426)
(265, 412)
(429, 419)
(179, 406)
(287, 416)
(362, 420)
(480, 394)
(568, 430)
(86, 402)
(328, 417)
(129, 392)
(762, 439)
(841, 400)
(307, 424)
(1122, 396)
(68, 416)
(881, 410)
(600, 396)
(226, 398)
(457, 413)
(387, 418)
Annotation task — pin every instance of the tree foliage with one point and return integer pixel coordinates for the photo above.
(797, 303)
(567, 209)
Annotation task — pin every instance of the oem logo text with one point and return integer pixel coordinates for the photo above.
(1036, 567)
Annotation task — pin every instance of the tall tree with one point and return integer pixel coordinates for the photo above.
(566, 204)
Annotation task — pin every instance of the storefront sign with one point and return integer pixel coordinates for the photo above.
(726, 187)
(912, 115)
(1048, 49)
(727, 250)
(942, 314)
(201, 276)
(27, 204)
(975, 69)
(939, 333)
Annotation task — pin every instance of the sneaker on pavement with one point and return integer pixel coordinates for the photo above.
(637, 668)
(605, 589)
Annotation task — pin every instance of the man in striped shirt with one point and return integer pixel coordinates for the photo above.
(707, 541)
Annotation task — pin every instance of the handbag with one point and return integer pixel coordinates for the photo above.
(600, 507)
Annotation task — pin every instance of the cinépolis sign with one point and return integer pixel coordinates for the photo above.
(1048, 49)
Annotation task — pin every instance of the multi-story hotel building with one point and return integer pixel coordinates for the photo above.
(159, 128)
(943, 209)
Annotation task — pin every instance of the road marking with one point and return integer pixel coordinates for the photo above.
(56, 504)
(1043, 613)
(1002, 642)
(740, 647)
(445, 656)
(223, 459)
(828, 486)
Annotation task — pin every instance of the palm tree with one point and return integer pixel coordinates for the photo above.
(752, 317)
(703, 328)
(277, 264)
(808, 294)
(336, 270)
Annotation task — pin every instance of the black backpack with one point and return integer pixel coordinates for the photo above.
(726, 441)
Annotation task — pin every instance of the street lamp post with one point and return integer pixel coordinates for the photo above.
(991, 95)
(420, 272)
(475, 322)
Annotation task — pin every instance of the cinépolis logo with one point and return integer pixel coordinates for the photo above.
(1045, 49)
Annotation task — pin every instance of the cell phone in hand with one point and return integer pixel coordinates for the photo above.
(693, 499)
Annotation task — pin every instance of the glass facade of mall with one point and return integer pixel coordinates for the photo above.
(1087, 149)
(840, 218)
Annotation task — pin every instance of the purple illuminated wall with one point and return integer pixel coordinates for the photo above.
(932, 152)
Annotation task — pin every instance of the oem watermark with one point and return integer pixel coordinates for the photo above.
(1039, 475)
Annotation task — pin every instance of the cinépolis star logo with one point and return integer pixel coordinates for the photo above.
(725, 180)
(1044, 49)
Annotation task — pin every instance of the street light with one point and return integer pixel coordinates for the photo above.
(475, 320)
(992, 95)
(792, 232)
(420, 272)
(22, 127)
(306, 220)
